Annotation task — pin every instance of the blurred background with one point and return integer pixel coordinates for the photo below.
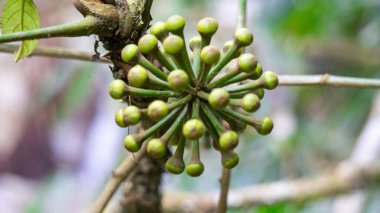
(59, 142)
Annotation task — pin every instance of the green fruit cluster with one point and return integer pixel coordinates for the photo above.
(191, 95)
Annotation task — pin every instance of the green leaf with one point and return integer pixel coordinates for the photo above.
(21, 15)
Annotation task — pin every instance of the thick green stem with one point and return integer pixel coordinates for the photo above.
(212, 130)
(157, 82)
(223, 79)
(257, 124)
(195, 110)
(148, 65)
(179, 102)
(203, 95)
(150, 93)
(195, 156)
(163, 59)
(197, 61)
(223, 62)
(214, 120)
(85, 27)
(246, 87)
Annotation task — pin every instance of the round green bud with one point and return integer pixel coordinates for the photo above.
(271, 80)
(250, 102)
(195, 42)
(131, 143)
(178, 80)
(207, 26)
(195, 169)
(175, 23)
(266, 126)
(228, 140)
(230, 159)
(210, 55)
(173, 44)
(258, 71)
(157, 110)
(193, 129)
(218, 98)
(175, 165)
(159, 30)
(243, 37)
(228, 45)
(247, 62)
(156, 148)
(260, 93)
(117, 89)
(130, 53)
(147, 43)
(119, 118)
(131, 115)
(137, 76)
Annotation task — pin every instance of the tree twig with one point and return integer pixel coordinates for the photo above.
(328, 81)
(118, 176)
(343, 179)
(57, 52)
(224, 186)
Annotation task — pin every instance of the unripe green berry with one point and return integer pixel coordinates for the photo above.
(259, 70)
(243, 37)
(156, 148)
(178, 80)
(210, 55)
(159, 30)
(207, 26)
(228, 140)
(147, 43)
(131, 143)
(250, 102)
(157, 110)
(247, 62)
(130, 53)
(193, 129)
(117, 89)
(195, 42)
(271, 80)
(175, 165)
(230, 159)
(266, 126)
(194, 169)
(175, 23)
(228, 45)
(137, 76)
(218, 98)
(131, 115)
(119, 118)
(173, 44)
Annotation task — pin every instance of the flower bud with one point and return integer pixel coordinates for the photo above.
(130, 53)
(156, 148)
(117, 89)
(175, 165)
(210, 55)
(159, 30)
(175, 24)
(228, 45)
(157, 110)
(271, 80)
(193, 129)
(207, 26)
(137, 76)
(195, 42)
(243, 37)
(228, 140)
(178, 80)
(266, 126)
(147, 43)
(131, 115)
(218, 98)
(230, 159)
(173, 44)
(131, 143)
(119, 118)
(195, 169)
(250, 102)
(247, 62)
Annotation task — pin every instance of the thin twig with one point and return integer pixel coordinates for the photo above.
(224, 186)
(345, 178)
(328, 81)
(118, 176)
(57, 52)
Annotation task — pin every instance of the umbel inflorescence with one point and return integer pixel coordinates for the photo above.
(190, 96)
